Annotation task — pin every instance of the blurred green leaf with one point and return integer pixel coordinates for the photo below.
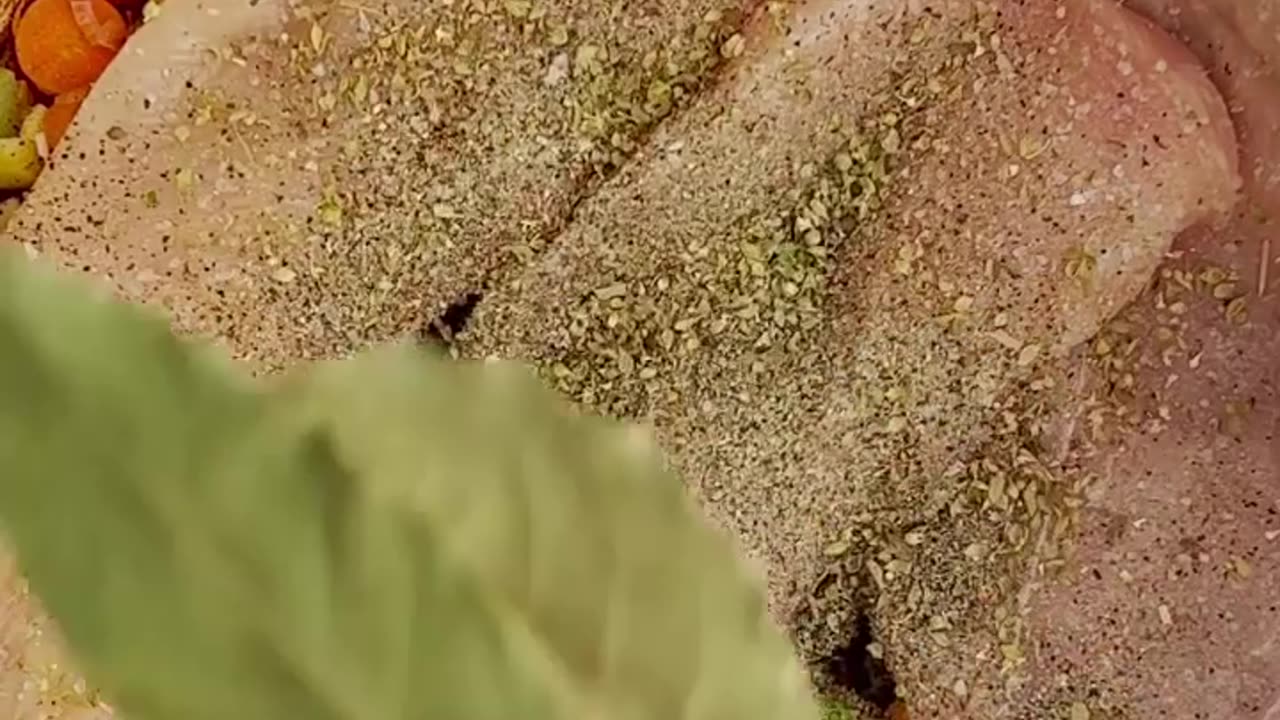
(394, 536)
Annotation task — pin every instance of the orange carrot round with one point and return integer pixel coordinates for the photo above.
(66, 44)
(61, 113)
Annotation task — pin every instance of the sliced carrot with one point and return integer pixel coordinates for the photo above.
(64, 46)
(61, 113)
(96, 23)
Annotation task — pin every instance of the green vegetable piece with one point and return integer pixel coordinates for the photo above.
(33, 123)
(20, 163)
(394, 536)
(15, 102)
